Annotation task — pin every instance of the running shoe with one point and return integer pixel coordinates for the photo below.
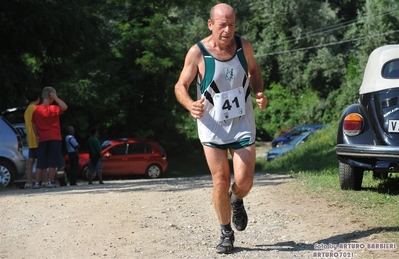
(226, 242)
(240, 217)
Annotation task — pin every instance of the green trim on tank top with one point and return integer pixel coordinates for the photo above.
(210, 62)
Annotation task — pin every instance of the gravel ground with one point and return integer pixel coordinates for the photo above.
(174, 218)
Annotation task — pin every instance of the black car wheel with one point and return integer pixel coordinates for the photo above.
(350, 178)
(7, 173)
(153, 171)
(86, 173)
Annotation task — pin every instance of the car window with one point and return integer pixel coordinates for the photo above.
(22, 133)
(15, 115)
(139, 148)
(294, 132)
(298, 139)
(105, 144)
(118, 150)
(391, 69)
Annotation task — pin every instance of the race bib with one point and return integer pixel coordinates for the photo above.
(230, 104)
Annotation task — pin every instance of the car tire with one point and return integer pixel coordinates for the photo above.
(153, 171)
(7, 173)
(86, 173)
(350, 178)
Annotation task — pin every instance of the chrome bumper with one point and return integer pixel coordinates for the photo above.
(367, 151)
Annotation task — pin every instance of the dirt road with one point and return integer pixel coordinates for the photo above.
(174, 218)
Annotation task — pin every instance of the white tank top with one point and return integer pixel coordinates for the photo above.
(228, 110)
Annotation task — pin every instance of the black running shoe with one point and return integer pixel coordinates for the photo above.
(226, 244)
(240, 217)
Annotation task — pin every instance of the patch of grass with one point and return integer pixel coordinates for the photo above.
(318, 153)
(315, 165)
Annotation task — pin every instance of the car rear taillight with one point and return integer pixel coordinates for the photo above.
(19, 143)
(353, 124)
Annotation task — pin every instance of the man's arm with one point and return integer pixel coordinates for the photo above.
(35, 131)
(255, 76)
(187, 75)
(60, 102)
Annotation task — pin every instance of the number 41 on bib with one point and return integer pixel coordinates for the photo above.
(229, 104)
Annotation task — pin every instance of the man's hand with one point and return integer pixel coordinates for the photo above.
(197, 108)
(53, 96)
(261, 100)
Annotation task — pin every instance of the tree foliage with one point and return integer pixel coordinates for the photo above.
(115, 62)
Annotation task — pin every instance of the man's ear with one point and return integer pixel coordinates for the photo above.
(210, 24)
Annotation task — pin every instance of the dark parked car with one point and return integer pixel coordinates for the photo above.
(368, 132)
(281, 150)
(287, 137)
(12, 162)
(126, 157)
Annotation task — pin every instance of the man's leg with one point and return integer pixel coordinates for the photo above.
(91, 171)
(37, 178)
(74, 159)
(244, 167)
(51, 174)
(99, 168)
(54, 160)
(41, 165)
(29, 172)
(220, 170)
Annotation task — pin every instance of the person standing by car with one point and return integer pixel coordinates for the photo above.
(33, 97)
(72, 147)
(95, 156)
(46, 125)
(225, 67)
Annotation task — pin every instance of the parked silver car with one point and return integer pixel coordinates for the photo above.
(12, 162)
(60, 173)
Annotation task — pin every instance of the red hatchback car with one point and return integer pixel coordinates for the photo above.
(127, 156)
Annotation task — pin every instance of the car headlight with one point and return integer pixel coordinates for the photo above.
(353, 124)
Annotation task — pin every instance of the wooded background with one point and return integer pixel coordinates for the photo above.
(115, 62)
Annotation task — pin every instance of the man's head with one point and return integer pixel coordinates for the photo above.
(46, 92)
(33, 95)
(93, 131)
(70, 130)
(222, 22)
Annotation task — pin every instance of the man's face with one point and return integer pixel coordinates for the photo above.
(223, 27)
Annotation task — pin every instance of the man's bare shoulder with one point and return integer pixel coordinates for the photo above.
(194, 54)
(245, 43)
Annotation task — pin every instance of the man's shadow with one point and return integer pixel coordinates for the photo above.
(291, 246)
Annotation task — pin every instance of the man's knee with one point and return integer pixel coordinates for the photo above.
(221, 183)
(243, 186)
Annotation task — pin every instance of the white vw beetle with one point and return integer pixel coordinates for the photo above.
(368, 131)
